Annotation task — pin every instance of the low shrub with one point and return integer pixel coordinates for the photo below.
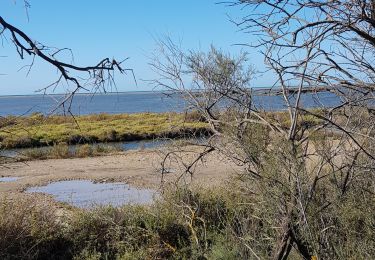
(31, 231)
(60, 151)
(161, 231)
(64, 151)
(36, 153)
(220, 223)
(85, 150)
(101, 149)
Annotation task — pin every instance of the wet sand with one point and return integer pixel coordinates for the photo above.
(140, 168)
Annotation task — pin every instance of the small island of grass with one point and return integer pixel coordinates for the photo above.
(39, 130)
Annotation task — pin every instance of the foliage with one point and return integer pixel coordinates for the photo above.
(301, 165)
(219, 223)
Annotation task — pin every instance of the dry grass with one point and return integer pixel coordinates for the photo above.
(218, 223)
(62, 151)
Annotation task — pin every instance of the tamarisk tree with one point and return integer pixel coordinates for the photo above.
(308, 172)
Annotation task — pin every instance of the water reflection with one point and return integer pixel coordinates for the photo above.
(8, 179)
(86, 194)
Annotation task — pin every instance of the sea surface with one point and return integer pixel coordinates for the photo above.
(133, 102)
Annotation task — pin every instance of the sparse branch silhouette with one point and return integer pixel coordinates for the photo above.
(97, 77)
(305, 164)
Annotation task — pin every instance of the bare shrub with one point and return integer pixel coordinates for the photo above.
(302, 167)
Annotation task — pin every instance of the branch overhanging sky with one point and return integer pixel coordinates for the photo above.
(120, 29)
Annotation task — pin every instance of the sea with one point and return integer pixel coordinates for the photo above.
(135, 102)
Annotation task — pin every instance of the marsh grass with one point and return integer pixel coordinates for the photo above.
(38, 130)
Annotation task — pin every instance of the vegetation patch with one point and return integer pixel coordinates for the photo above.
(218, 223)
(38, 130)
(63, 151)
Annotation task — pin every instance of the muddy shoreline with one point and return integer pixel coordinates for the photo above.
(139, 169)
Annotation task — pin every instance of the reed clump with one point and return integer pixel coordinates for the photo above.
(64, 151)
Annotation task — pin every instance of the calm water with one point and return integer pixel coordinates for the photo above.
(8, 179)
(124, 146)
(133, 102)
(86, 194)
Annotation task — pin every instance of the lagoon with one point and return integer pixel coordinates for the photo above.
(135, 102)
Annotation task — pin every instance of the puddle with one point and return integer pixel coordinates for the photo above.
(8, 179)
(86, 194)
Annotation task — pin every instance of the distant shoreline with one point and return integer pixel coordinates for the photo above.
(139, 102)
(267, 90)
(88, 94)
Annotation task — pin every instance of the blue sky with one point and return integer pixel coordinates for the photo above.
(116, 28)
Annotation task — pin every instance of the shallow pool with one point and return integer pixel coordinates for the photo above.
(86, 194)
(8, 179)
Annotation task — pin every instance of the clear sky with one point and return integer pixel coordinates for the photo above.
(95, 29)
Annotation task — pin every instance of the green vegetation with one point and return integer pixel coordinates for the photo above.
(184, 224)
(307, 189)
(308, 172)
(38, 130)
